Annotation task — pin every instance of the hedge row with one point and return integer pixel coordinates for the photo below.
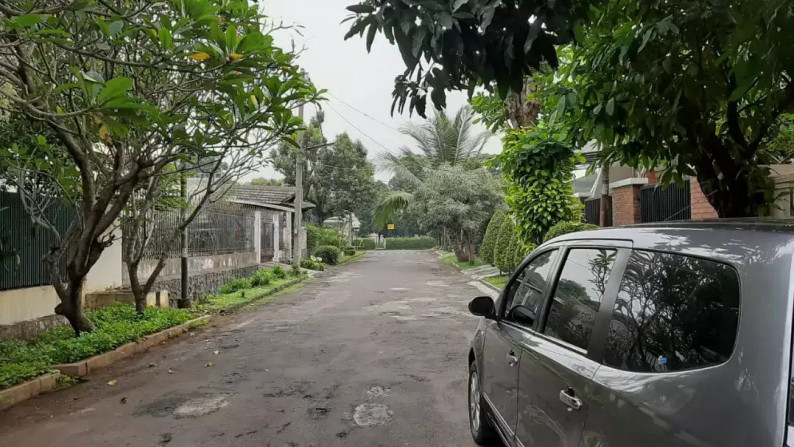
(410, 243)
(364, 244)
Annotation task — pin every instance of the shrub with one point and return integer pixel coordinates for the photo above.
(364, 244)
(317, 237)
(313, 263)
(350, 251)
(261, 278)
(567, 227)
(521, 252)
(329, 254)
(278, 272)
(410, 243)
(491, 234)
(504, 250)
(235, 284)
(296, 271)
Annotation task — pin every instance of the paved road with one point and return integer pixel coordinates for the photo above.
(372, 354)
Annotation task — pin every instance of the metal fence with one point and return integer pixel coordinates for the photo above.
(219, 228)
(592, 211)
(24, 245)
(659, 204)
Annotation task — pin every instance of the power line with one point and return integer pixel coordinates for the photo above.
(355, 127)
(366, 114)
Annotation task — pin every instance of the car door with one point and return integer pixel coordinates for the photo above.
(502, 337)
(555, 370)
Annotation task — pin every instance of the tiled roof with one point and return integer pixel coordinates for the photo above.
(267, 195)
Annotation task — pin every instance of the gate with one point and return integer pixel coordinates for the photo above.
(592, 211)
(659, 204)
(267, 239)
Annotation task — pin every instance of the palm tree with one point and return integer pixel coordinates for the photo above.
(440, 140)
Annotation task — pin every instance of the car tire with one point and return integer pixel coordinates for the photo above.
(481, 429)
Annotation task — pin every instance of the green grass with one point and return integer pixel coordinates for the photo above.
(345, 258)
(451, 259)
(114, 326)
(498, 281)
(227, 300)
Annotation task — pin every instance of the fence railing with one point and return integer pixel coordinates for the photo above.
(659, 204)
(592, 211)
(23, 245)
(219, 228)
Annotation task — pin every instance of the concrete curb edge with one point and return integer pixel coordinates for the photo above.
(26, 390)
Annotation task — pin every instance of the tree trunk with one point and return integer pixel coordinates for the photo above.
(137, 290)
(730, 200)
(71, 307)
(604, 202)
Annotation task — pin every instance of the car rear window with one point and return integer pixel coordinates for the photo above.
(673, 312)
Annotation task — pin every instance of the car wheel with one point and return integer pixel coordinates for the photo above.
(481, 430)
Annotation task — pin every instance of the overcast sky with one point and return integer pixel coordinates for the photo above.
(352, 76)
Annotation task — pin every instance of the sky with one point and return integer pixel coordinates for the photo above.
(359, 84)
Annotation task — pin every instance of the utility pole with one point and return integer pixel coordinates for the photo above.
(296, 239)
(183, 297)
(604, 211)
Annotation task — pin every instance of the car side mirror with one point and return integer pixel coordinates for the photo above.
(483, 306)
(523, 315)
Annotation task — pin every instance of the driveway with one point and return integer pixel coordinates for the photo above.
(371, 354)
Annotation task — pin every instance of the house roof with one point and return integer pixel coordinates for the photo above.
(266, 195)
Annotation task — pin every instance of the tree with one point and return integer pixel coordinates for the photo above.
(687, 88)
(486, 252)
(345, 177)
(441, 140)
(466, 43)
(128, 90)
(503, 255)
(284, 158)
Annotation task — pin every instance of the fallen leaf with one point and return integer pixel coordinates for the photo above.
(216, 352)
(200, 56)
(208, 364)
(170, 371)
(152, 365)
(112, 383)
(123, 400)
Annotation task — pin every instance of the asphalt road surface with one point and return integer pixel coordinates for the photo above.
(371, 354)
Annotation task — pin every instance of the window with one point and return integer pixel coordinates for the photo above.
(578, 294)
(527, 289)
(673, 312)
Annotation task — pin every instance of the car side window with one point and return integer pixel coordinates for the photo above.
(578, 294)
(673, 312)
(527, 289)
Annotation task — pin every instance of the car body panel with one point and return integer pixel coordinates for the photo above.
(500, 380)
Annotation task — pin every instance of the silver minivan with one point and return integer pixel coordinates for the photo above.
(662, 335)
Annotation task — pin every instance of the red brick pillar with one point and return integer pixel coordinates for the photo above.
(701, 208)
(626, 204)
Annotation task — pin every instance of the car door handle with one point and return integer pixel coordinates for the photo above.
(512, 360)
(567, 397)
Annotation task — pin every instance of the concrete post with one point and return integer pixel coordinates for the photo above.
(289, 234)
(276, 239)
(258, 235)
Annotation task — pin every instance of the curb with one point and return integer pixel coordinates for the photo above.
(353, 258)
(84, 367)
(26, 390)
(273, 291)
(490, 286)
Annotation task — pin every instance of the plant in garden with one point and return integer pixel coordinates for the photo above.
(313, 263)
(686, 88)
(567, 227)
(538, 165)
(350, 251)
(466, 43)
(488, 245)
(410, 243)
(504, 250)
(278, 272)
(261, 277)
(329, 254)
(130, 91)
(235, 285)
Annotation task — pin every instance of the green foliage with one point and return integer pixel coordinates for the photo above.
(278, 272)
(364, 244)
(491, 234)
(261, 181)
(313, 263)
(538, 165)
(521, 252)
(504, 250)
(410, 243)
(567, 227)
(235, 285)
(452, 259)
(492, 42)
(329, 254)
(296, 271)
(114, 326)
(261, 277)
(317, 237)
(350, 251)
(497, 281)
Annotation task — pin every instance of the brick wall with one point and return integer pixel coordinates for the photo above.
(701, 208)
(626, 205)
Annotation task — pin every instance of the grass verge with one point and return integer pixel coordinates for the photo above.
(114, 326)
(239, 298)
(450, 259)
(498, 281)
(346, 258)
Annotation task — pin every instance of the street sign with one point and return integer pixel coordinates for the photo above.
(390, 226)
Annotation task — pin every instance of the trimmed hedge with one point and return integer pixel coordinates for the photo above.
(329, 254)
(317, 237)
(486, 251)
(350, 251)
(313, 263)
(364, 244)
(410, 243)
(567, 227)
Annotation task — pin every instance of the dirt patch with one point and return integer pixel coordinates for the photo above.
(367, 415)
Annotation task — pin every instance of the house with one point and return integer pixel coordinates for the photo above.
(276, 206)
(347, 224)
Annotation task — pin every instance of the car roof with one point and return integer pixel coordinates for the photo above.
(735, 241)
